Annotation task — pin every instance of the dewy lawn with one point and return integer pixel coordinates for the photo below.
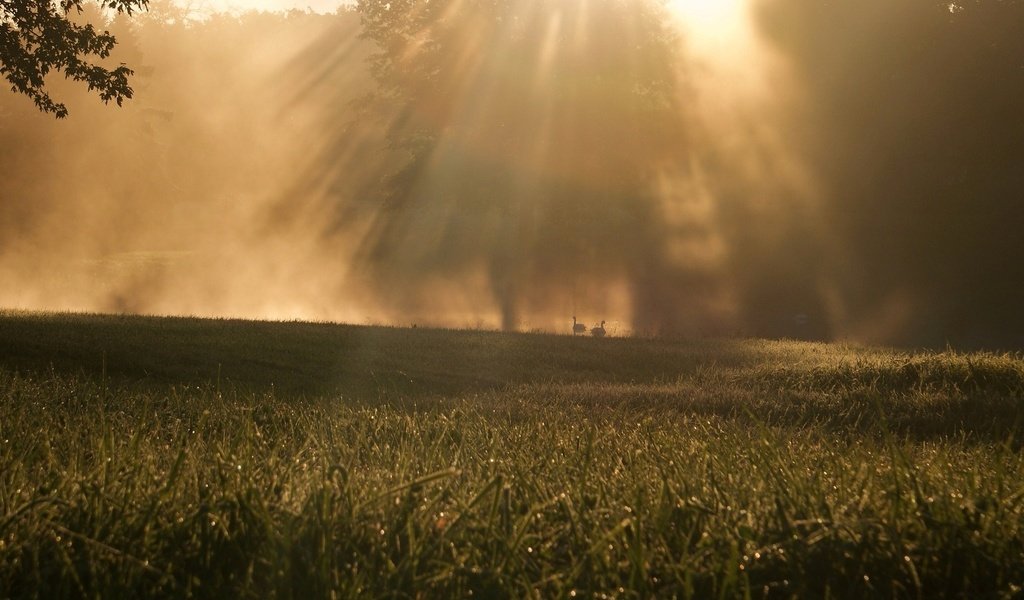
(207, 458)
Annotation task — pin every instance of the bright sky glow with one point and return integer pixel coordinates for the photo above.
(241, 6)
(713, 23)
(705, 18)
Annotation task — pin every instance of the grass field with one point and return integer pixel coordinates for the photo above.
(185, 457)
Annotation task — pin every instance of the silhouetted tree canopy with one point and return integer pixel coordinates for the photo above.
(38, 37)
(529, 137)
(918, 141)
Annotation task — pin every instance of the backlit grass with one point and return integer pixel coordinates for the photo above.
(174, 457)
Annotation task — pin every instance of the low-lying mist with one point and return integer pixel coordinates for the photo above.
(812, 171)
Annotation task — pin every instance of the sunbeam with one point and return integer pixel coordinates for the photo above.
(774, 167)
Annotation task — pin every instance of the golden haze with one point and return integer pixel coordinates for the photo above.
(683, 167)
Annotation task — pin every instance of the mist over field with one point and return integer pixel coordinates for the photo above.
(291, 316)
(840, 171)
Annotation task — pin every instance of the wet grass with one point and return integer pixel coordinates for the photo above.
(177, 457)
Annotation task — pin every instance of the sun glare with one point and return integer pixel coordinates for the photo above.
(711, 22)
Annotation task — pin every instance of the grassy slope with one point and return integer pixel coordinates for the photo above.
(181, 456)
(355, 360)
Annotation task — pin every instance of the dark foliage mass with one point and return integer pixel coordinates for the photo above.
(911, 121)
(37, 38)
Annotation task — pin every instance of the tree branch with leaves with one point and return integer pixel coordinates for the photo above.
(39, 37)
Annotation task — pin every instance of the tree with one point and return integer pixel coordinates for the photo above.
(529, 139)
(38, 37)
(916, 139)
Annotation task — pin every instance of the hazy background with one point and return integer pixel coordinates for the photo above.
(783, 168)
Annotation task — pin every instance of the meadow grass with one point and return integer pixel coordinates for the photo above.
(185, 457)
